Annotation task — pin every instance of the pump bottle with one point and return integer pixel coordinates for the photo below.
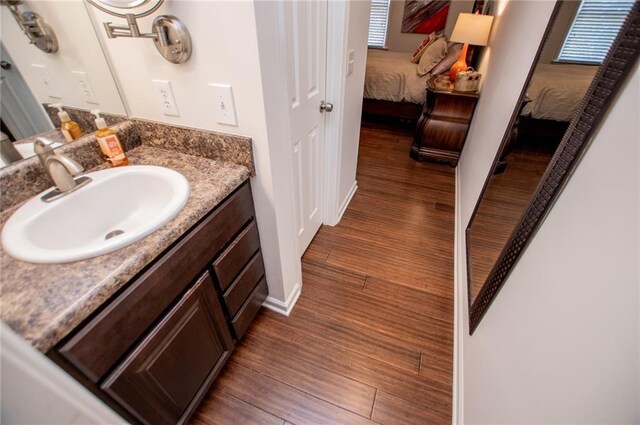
(109, 142)
(70, 129)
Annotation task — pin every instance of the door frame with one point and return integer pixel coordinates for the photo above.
(337, 34)
(285, 269)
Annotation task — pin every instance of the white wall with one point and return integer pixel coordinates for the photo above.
(79, 50)
(277, 112)
(507, 60)
(560, 344)
(36, 391)
(398, 41)
(225, 50)
(358, 22)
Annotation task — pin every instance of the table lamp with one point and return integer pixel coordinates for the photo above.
(469, 29)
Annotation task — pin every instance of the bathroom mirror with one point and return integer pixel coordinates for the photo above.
(565, 96)
(77, 76)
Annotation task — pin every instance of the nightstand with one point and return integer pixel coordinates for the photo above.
(442, 129)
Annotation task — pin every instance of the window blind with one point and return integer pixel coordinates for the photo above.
(378, 21)
(593, 30)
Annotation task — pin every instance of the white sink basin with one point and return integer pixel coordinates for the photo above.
(118, 207)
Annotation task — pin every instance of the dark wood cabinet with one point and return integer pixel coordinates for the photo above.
(159, 379)
(155, 348)
(442, 129)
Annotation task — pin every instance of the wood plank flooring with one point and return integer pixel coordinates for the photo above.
(371, 337)
(500, 210)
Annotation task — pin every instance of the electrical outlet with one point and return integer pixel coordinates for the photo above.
(224, 107)
(49, 84)
(165, 94)
(85, 87)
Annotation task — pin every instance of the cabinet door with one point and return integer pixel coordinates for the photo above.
(161, 378)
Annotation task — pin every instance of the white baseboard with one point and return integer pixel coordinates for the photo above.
(457, 417)
(284, 308)
(345, 203)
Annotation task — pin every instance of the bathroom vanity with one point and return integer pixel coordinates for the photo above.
(148, 328)
(155, 349)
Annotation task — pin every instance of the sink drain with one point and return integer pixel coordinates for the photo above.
(113, 234)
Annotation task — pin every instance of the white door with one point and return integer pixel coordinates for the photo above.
(306, 47)
(20, 110)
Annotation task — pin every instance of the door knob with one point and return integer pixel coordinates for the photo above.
(326, 106)
(5, 65)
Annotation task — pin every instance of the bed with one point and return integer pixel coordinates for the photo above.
(392, 86)
(555, 91)
(553, 96)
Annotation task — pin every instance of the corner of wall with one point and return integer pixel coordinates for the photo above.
(269, 25)
(459, 303)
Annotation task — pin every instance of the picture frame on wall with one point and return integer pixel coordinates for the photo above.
(424, 16)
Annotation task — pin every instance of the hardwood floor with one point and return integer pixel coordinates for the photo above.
(371, 337)
(507, 196)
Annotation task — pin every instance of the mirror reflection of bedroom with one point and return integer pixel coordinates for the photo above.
(416, 115)
(560, 79)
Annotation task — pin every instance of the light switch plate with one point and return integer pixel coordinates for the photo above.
(224, 107)
(350, 61)
(85, 87)
(165, 95)
(48, 83)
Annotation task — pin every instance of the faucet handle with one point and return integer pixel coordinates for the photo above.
(42, 148)
(72, 166)
(62, 169)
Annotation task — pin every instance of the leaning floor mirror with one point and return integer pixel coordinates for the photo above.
(574, 78)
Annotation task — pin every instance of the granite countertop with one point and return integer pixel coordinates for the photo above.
(44, 303)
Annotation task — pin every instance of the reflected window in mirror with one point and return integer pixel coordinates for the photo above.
(541, 126)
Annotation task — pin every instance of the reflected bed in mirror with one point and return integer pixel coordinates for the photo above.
(77, 75)
(559, 108)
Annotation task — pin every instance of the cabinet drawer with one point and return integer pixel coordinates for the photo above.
(234, 258)
(241, 288)
(106, 338)
(250, 308)
(159, 380)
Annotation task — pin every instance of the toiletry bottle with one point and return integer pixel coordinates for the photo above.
(109, 142)
(70, 129)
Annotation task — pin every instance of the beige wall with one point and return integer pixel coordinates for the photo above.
(560, 344)
(352, 103)
(405, 42)
(215, 59)
(559, 31)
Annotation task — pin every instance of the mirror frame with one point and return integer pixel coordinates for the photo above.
(609, 78)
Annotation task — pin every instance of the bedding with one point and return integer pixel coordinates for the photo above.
(391, 76)
(556, 90)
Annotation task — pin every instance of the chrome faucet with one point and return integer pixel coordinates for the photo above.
(42, 148)
(60, 169)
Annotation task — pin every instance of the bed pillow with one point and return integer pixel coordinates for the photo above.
(415, 58)
(453, 53)
(432, 56)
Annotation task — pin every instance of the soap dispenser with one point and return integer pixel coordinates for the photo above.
(70, 129)
(109, 142)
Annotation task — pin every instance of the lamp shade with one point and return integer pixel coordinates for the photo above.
(472, 29)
